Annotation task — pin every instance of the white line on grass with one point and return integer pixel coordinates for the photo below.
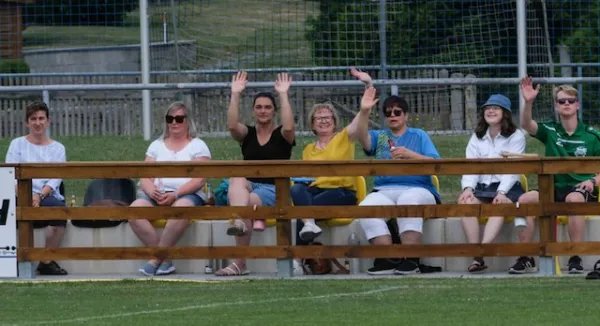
(213, 305)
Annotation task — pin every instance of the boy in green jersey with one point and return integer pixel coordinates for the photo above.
(567, 138)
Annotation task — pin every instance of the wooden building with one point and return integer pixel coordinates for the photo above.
(11, 28)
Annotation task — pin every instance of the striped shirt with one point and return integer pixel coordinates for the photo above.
(23, 151)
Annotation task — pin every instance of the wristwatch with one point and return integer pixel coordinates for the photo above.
(42, 196)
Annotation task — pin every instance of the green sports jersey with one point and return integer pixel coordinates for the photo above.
(585, 141)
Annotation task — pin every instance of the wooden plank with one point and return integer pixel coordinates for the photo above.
(565, 165)
(572, 248)
(25, 231)
(252, 252)
(283, 202)
(278, 168)
(292, 212)
(547, 222)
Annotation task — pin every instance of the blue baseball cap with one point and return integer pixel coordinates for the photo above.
(498, 100)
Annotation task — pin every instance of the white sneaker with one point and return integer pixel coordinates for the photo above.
(298, 270)
(310, 231)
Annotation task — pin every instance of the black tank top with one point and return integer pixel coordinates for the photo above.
(277, 148)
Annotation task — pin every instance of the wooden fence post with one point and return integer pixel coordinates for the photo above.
(284, 227)
(547, 229)
(25, 235)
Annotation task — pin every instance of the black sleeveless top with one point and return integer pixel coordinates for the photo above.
(277, 148)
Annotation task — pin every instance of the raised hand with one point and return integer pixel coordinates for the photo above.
(283, 82)
(362, 76)
(368, 100)
(238, 82)
(527, 89)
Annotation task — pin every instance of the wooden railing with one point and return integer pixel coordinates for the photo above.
(545, 168)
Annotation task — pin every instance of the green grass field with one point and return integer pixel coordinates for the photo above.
(133, 149)
(396, 301)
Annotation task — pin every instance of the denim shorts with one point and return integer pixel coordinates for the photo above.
(264, 191)
(194, 198)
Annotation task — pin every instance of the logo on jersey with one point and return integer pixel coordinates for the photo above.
(580, 151)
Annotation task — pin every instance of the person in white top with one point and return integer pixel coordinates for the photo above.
(495, 132)
(178, 143)
(37, 147)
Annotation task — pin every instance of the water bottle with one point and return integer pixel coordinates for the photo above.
(353, 264)
(210, 197)
(73, 200)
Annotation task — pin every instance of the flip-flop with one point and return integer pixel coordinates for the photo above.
(237, 228)
(477, 267)
(232, 270)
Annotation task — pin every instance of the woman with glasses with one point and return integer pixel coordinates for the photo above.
(178, 143)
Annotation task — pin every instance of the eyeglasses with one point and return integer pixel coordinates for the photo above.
(176, 118)
(565, 100)
(396, 112)
(323, 119)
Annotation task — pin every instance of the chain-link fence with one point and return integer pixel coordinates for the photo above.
(87, 42)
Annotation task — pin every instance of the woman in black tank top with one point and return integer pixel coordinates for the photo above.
(263, 141)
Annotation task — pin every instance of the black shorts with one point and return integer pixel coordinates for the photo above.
(487, 193)
(560, 194)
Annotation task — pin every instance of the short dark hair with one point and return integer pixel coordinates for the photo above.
(397, 101)
(267, 95)
(34, 107)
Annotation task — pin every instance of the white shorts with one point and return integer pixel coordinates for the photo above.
(401, 195)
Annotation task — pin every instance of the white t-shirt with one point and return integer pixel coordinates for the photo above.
(159, 151)
(23, 151)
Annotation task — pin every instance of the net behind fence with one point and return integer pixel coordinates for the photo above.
(477, 39)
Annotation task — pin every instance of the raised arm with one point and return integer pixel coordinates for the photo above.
(282, 85)
(359, 127)
(529, 95)
(362, 76)
(237, 130)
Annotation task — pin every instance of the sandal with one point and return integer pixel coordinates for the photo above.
(477, 266)
(237, 228)
(595, 274)
(232, 270)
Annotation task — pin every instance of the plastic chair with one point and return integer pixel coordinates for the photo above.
(122, 190)
(508, 219)
(361, 192)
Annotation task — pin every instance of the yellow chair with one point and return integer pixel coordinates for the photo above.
(436, 183)
(508, 219)
(160, 224)
(564, 219)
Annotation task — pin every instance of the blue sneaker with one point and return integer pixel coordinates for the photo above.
(165, 269)
(148, 269)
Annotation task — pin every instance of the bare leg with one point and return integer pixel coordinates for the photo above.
(143, 229)
(526, 234)
(54, 237)
(492, 228)
(383, 240)
(576, 226)
(471, 224)
(174, 229)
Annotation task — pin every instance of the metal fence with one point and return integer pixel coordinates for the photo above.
(205, 41)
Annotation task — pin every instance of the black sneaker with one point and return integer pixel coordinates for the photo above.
(523, 265)
(407, 267)
(575, 265)
(51, 268)
(384, 266)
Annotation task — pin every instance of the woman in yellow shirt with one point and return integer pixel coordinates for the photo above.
(324, 191)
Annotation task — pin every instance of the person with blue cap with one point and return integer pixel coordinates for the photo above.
(495, 132)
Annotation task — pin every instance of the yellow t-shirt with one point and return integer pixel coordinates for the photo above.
(339, 148)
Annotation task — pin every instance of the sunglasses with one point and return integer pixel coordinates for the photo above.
(396, 112)
(565, 100)
(176, 118)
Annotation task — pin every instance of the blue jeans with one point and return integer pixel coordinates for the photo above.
(304, 195)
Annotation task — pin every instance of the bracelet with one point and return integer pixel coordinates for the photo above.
(501, 192)
(465, 188)
(42, 196)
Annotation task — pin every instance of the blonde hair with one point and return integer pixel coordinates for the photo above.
(570, 90)
(192, 131)
(326, 105)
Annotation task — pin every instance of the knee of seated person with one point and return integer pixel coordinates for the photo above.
(237, 183)
(373, 199)
(418, 196)
(529, 197)
(575, 197)
(298, 189)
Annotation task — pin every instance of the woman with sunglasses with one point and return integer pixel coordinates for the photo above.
(178, 143)
(263, 141)
(495, 132)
